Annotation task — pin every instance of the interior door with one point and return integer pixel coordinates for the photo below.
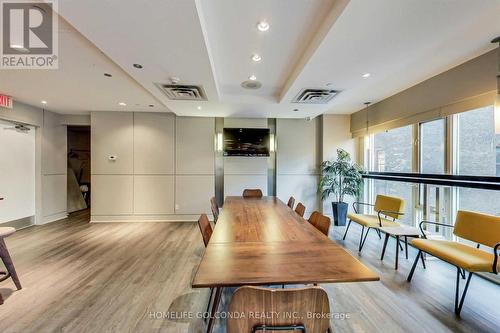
(17, 172)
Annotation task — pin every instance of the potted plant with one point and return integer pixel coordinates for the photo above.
(340, 178)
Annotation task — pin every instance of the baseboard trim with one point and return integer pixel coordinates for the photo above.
(145, 218)
(20, 223)
(54, 217)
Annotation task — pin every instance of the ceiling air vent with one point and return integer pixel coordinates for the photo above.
(315, 96)
(183, 92)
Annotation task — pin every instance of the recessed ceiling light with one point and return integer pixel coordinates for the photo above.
(256, 57)
(44, 102)
(252, 77)
(199, 107)
(366, 75)
(138, 66)
(108, 75)
(263, 26)
(122, 104)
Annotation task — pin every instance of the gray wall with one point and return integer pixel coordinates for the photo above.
(164, 167)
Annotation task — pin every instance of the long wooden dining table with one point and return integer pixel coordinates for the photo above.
(261, 241)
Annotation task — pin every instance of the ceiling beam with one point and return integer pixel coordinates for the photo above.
(323, 30)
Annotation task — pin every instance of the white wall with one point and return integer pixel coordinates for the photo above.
(164, 167)
(336, 134)
(298, 152)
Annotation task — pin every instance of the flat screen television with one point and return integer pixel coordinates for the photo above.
(246, 142)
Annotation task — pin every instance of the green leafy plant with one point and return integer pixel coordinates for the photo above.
(340, 178)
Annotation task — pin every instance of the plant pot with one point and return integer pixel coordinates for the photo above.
(339, 213)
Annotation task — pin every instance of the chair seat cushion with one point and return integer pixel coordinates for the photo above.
(6, 231)
(371, 221)
(458, 254)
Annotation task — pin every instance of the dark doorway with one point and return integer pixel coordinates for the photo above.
(79, 189)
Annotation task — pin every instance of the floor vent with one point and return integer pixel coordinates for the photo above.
(315, 96)
(183, 92)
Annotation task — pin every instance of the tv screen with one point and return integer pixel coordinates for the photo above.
(246, 142)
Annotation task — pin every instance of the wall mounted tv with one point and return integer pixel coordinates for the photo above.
(246, 142)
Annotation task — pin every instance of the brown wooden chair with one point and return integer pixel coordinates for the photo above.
(291, 202)
(206, 233)
(291, 310)
(314, 217)
(300, 209)
(252, 193)
(320, 222)
(7, 260)
(215, 209)
(205, 228)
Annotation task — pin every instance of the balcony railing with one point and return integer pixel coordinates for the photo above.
(436, 197)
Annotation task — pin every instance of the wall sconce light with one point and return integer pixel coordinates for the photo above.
(272, 143)
(219, 142)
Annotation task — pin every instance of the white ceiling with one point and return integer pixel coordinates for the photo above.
(79, 85)
(310, 43)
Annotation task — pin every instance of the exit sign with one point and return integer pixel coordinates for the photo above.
(5, 101)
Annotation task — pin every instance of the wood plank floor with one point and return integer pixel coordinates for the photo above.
(115, 277)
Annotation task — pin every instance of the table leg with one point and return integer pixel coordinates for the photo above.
(397, 252)
(7, 260)
(215, 305)
(385, 245)
(406, 246)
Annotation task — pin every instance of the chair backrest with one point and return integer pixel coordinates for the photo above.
(205, 228)
(385, 202)
(314, 217)
(252, 193)
(291, 202)
(287, 306)
(477, 227)
(215, 209)
(321, 222)
(300, 209)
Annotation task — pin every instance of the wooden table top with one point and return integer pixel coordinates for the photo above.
(262, 242)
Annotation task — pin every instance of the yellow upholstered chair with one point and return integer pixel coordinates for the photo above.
(479, 228)
(388, 209)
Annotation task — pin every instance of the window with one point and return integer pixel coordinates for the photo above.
(478, 155)
(432, 146)
(474, 149)
(392, 150)
(478, 146)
